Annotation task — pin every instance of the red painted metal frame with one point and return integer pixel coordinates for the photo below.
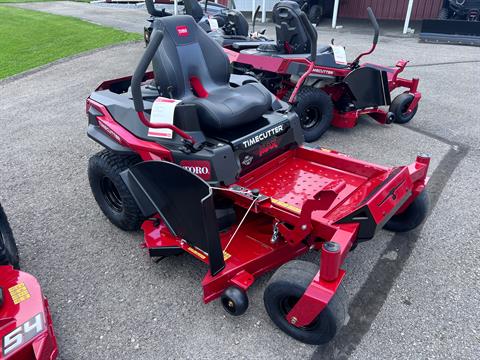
(340, 119)
(306, 194)
(322, 187)
(44, 345)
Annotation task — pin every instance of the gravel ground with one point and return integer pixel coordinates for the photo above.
(109, 300)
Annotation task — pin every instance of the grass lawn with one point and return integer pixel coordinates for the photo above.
(30, 38)
(23, 1)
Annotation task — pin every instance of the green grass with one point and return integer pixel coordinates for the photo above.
(30, 38)
(23, 1)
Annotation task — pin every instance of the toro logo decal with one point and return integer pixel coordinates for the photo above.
(201, 168)
(182, 30)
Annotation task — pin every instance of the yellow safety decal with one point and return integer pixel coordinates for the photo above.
(286, 206)
(196, 252)
(226, 256)
(19, 293)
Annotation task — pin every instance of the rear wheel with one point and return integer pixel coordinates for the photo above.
(315, 109)
(399, 108)
(109, 190)
(315, 14)
(413, 215)
(443, 14)
(283, 291)
(8, 248)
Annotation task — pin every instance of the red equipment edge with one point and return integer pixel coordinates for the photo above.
(25, 320)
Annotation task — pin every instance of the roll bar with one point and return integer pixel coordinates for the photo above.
(151, 9)
(312, 36)
(255, 14)
(137, 78)
(376, 28)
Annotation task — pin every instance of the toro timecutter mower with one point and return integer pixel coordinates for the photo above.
(211, 164)
(333, 91)
(26, 327)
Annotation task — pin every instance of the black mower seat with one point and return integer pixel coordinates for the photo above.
(227, 107)
(192, 67)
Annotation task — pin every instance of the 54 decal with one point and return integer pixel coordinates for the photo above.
(22, 334)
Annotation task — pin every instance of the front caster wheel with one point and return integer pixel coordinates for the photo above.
(111, 193)
(399, 108)
(283, 291)
(234, 301)
(413, 215)
(8, 248)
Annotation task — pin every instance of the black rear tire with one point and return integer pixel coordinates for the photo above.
(315, 14)
(412, 217)
(444, 14)
(400, 106)
(109, 190)
(315, 109)
(284, 289)
(8, 247)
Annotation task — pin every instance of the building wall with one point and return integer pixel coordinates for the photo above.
(389, 9)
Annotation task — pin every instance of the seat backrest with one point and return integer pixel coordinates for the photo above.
(187, 57)
(290, 29)
(194, 9)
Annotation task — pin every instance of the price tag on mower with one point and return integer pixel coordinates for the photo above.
(339, 54)
(163, 110)
(213, 24)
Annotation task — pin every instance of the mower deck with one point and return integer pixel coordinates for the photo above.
(322, 194)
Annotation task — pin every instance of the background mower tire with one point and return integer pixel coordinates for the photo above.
(8, 248)
(109, 190)
(284, 289)
(444, 14)
(315, 14)
(413, 215)
(399, 108)
(315, 109)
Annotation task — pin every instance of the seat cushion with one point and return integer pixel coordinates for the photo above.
(226, 107)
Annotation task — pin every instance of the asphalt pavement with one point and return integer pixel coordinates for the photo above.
(411, 296)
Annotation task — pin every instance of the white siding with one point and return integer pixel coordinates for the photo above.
(246, 5)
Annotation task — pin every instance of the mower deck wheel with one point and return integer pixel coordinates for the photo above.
(283, 291)
(315, 109)
(8, 247)
(234, 301)
(109, 190)
(400, 106)
(413, 215)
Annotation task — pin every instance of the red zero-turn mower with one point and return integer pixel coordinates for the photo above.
(26, 327)
(233, 187)
(324, 89)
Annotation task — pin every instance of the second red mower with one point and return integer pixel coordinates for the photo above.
(324, 88)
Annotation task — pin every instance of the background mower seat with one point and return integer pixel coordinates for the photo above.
(192, 67)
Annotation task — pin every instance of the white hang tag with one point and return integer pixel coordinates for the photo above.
(339, 54)
(213, 24)
(163, 110)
